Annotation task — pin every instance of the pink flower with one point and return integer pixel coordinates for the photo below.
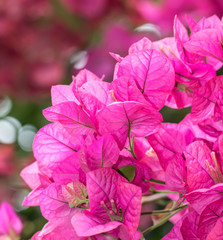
(10, 224)
(107, 145)
(115, 207)
(143, 65)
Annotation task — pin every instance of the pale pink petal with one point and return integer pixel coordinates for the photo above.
(33, 198)
(57, 230)
(52, 204)
(129, 200)
(70, 115)
(94, 96)
(203, 102)
(176, 174)
(101, 187)
(82, 77)
(216, 232)
(30, 175)
(169, 140)
(117, 57)
(53, 146)
(102, 153)
(206, 43)
(143, 44)
(200, 198)
(152, 72)
(209, 217)
(125, 89)
(189, 228)
(87, 225)
(121, 117)
(62, 93)
(181, 37)
(9, 220)
(198, 155)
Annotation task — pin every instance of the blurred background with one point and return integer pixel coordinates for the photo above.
(43, 43)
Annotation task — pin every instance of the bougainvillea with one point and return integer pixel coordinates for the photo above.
(10, 224)
(107, 150)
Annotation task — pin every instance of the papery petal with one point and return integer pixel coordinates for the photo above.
(200, 198)
(65, 177)
(121, 117)
(145, 68)
(176, 174)
(62, 93)
(203, 101)
(87, 225)
(198, 155)
(181, 37)
(70, 115)
(52, 204)
(125, 89)
(206, 23)
(189, 228)
(101, 187)
(206, 43)
(9, 220)
(207, 129)
(117, 57)
(142, 44)
(209, 217)
(52, 146)
(82, 77)
(168, 47)
(129, 200)
(94, 96)
(57, 230)
(170, 140)
(175, 233)
(30, 175)
(33, 199)
(220, 143)
(102, 153)
(179, 99)
(155, 170)
(202, 71)
(217, 232)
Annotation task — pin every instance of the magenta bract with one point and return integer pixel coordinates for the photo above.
(107, 151)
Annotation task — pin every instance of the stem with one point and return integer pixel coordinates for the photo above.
(163, 220)
(156, 212)
(131, 145)
(154, 191)
(157, 181)
(129, 135)
(179, 202)
(167, 191)
(153, 198)
(127, 149)
(133, 139)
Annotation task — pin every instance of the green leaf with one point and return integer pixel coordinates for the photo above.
(127, 172)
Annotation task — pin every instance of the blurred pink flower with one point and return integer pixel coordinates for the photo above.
(161, 13)
(6, 157)
(10, 224)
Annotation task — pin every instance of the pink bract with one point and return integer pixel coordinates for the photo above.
(108, 190)
(108, 150)
(145, 68)
(10, 224)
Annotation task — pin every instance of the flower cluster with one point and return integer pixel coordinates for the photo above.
(107, 149)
